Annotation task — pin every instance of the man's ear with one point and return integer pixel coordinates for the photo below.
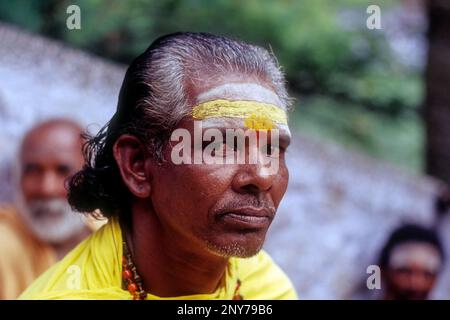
(131, 158)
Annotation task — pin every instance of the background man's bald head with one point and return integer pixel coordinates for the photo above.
(53, 134)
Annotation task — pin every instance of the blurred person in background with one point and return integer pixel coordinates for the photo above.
(410, 263)
(40, 227)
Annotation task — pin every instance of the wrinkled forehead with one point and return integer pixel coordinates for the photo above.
(247, 91)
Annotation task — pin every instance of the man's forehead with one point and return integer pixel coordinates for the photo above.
(52, 142)
(248, 91)
(234, 123)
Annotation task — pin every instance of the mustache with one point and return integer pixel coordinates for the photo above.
(248, 202)
(52, 207)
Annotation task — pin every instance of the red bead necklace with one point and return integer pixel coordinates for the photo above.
(132, 282)
(130, 278)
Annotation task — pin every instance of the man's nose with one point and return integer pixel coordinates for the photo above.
(252, 178)
(418, 281)
(51, 186)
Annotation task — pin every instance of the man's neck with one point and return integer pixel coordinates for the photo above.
(169, 264)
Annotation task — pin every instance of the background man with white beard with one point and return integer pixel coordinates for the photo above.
(41, 227)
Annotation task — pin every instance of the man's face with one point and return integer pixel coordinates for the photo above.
(49, 156)
(412, 272)
(224, 208)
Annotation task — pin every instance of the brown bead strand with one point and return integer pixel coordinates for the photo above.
(133, 282)
(237, 295)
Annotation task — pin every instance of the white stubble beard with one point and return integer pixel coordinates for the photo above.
(52, 220)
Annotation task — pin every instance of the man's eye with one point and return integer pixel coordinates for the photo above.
(220, 147)
(403, 271)
(31, 169)
(270, 149)
(64, 170)
(429, 274)
(233, 146)
(217, 148)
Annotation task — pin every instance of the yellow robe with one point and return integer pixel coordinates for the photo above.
(93, 270)
(23, 257)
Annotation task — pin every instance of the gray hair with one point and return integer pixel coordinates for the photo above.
(155, 97)
(176, 62)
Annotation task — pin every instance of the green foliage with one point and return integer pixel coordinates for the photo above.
(350, 87)
(398, 140)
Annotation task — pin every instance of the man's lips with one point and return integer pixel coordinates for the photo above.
(248, 217)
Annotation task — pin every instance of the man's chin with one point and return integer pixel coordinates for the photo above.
(235, 248)
(50, 234)
(56, 231)
(51, 221)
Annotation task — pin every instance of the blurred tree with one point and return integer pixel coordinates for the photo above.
(437, 103)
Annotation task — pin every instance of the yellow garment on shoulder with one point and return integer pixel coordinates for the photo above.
(23, 257)
(93, 270)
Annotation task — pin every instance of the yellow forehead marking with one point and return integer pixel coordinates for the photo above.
(257, 115)
(256, 122)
